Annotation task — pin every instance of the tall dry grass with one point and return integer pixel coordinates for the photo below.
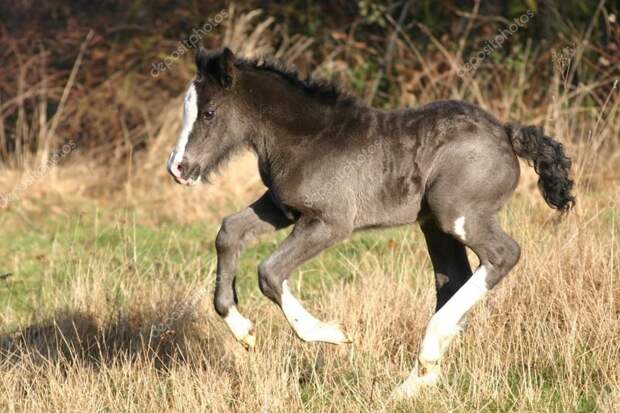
(546, 339)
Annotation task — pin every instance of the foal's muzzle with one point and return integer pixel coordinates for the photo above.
(182, 171)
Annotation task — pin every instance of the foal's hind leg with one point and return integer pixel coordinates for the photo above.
(498, 254)
(260, 217)
(449, 259)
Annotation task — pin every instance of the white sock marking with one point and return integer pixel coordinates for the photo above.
(416, 382)
(459, 227)
(190, 114)
(307, 327)
(442, 328)
(473, 290)
(444, 325)
(240, 326)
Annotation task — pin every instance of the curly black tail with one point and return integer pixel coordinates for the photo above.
(549, 160)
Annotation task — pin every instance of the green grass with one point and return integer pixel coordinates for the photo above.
(47, 255)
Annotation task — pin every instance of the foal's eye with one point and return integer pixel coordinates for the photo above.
(208, 114)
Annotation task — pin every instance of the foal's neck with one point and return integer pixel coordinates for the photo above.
(285, 114)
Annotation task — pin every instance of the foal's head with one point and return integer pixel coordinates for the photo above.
(235, 102)
(212, 122)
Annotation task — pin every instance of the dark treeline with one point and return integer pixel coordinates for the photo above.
(383, 51)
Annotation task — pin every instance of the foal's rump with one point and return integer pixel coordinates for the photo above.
(476, 158)
(472, 175)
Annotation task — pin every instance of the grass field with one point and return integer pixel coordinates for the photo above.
(109, 308)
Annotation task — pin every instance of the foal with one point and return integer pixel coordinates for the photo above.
(333, 166)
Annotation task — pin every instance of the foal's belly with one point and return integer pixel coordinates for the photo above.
(386, 212)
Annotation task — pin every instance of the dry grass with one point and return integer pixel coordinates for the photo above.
(110, 338)
(545, 340)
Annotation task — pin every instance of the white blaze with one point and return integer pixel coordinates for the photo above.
(190, 114)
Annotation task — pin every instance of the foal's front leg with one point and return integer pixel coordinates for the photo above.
(310, 237)
(260, 217)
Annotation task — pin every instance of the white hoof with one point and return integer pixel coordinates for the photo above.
(306, 326)
(332, 333)
(249, 340)
(241, 327)
(417, 382)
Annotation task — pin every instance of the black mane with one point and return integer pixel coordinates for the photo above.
(326, 91)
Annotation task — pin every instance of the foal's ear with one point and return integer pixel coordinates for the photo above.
(202, 61)
(226, 66)
(220, 66)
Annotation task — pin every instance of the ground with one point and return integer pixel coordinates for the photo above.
(112, 306)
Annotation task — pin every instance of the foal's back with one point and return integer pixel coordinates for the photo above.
(416, 148)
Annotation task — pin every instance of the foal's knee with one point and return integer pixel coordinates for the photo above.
(269, 281)
(503, 259)
(228, 237)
